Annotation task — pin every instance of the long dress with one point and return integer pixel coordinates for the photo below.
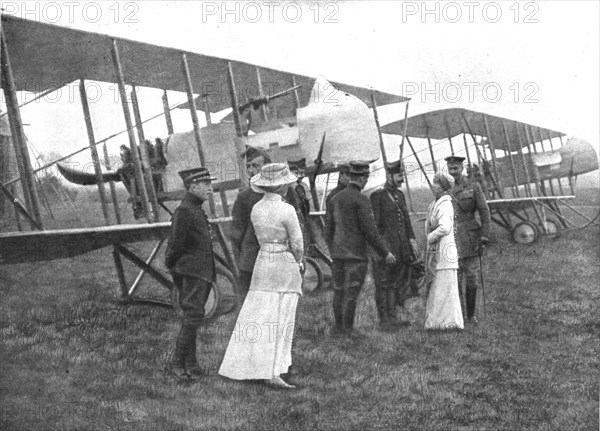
(443, 301)
(260, 346)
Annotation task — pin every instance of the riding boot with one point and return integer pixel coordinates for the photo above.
(177, 365)
(461, 294)
(382, 305)
(471, 298)
(191, 361)
(338, 298)
(391, 305)
(348, 315)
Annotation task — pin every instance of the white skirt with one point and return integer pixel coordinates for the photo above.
(260, 346)
(443, 302)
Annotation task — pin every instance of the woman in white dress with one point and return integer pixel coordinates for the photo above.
(443, 302)
(260, 346)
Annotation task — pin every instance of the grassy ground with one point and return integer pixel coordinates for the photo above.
(73, 357)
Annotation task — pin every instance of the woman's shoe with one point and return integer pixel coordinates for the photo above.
(278, 383)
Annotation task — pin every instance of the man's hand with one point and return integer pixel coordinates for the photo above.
(390, 259)
(302, 267)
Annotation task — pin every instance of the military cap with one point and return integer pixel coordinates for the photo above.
(195, 175)
(298, 164)
(254, 152)
(359, 167)
(454, 160)
(396, 167)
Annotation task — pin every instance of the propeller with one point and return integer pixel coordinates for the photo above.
(263, 100)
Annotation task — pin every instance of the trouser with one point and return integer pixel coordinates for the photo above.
(392, 285)
(349, 277)
(468, 272)
(245, 281)
(193, 294)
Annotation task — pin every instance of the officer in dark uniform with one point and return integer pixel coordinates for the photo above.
(243, 238)
(296, 197)
(343, 180)
(468, 199)
(392, 282)
(350, 227)
(190, 260)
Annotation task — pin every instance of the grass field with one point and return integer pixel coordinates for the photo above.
(72, 357)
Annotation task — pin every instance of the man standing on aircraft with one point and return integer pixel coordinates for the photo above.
(350, 226)
(392, 282)
(471, 237)
(245, 244)
(190, 260)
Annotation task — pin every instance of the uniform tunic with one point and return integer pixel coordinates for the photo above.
(393, 222)
(351, 225)
(333, 192)
(468, 200)
(190, 249)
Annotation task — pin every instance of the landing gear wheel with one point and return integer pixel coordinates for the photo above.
(313, 276)
(525, 233)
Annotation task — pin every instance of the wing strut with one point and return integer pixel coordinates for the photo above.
(32, 199)
(90, 132)
(139, 178)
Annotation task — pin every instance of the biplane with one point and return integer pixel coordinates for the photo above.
(289, 120)
(519, 166)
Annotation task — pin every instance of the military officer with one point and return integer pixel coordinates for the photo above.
(190, 259)
(243, 239)
(350, 226)
(471, 236)
(392, 282)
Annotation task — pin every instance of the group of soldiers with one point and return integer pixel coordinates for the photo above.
(357, 229)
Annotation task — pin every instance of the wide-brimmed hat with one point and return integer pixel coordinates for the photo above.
(272, 175)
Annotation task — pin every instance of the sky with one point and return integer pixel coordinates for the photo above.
(536, 62)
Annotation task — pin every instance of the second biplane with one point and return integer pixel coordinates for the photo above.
(519, 166)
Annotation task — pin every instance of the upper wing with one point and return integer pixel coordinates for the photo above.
(45, 56)
(446, 123)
